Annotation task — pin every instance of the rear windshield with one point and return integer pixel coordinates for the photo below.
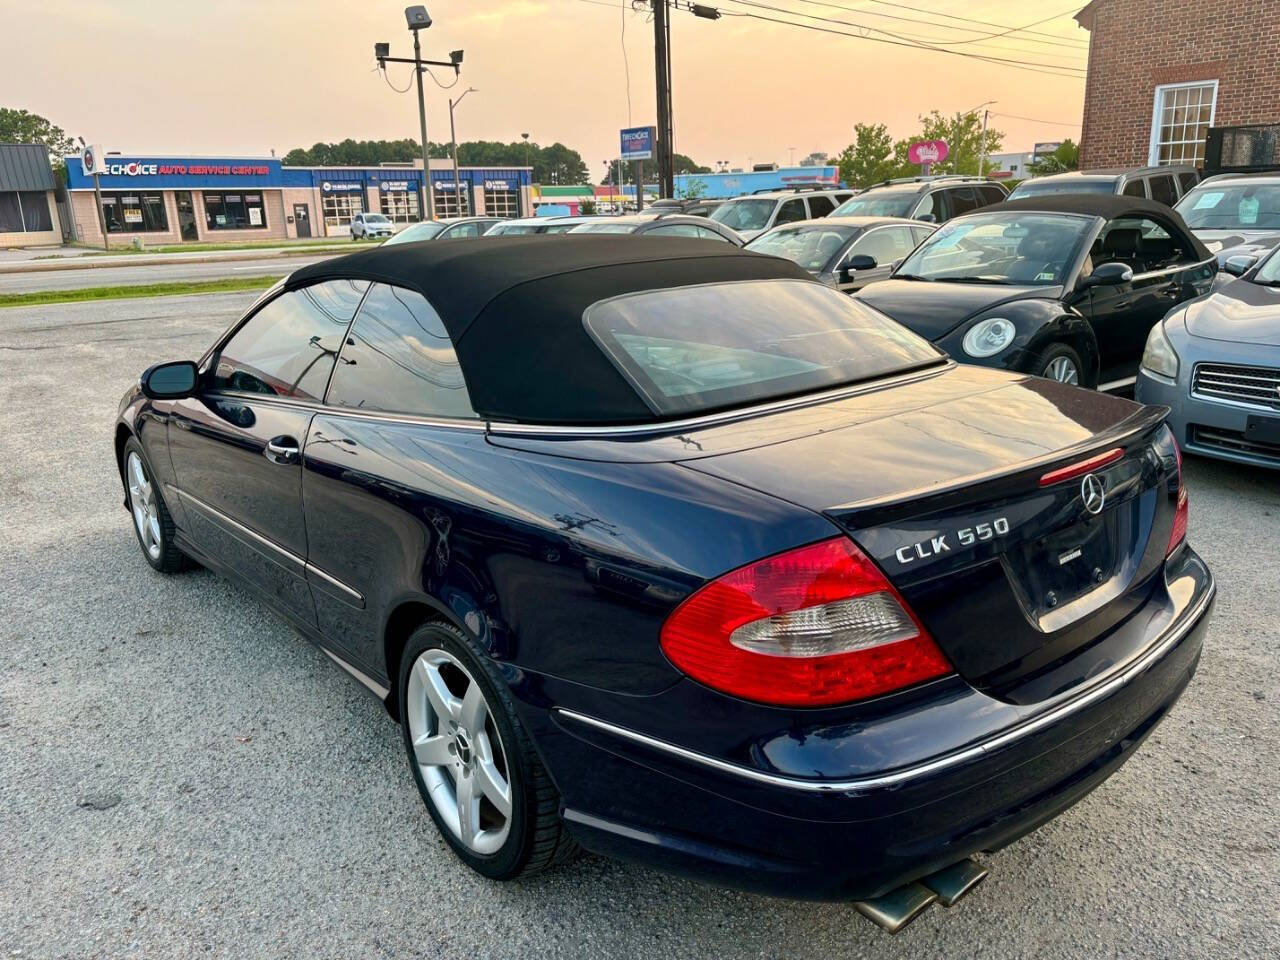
(513, 229)
(1030, 188)
(689, 350)
(604, 228)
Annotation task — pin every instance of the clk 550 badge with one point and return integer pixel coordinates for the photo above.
(965, 537)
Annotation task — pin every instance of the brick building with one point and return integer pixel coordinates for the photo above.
(1161, 72)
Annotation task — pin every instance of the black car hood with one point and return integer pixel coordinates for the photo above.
(935, 309)
(1225, 244)
(1239, 312)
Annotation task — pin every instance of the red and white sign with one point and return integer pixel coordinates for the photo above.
(927, 151)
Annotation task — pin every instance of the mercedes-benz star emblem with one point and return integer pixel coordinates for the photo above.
(1092, 492)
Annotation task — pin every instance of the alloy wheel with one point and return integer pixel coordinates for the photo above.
(459, 751)
(1062, 369)
(142, 501)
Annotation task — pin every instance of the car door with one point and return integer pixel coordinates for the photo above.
(236, 445)
(397, 419)
(888, 245)
(1122, 315)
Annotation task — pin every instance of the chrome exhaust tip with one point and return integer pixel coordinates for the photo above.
(955, 881)
(898, 907)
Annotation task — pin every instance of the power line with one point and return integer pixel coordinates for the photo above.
(1055, 70)
(952, 16)
(1056, 123)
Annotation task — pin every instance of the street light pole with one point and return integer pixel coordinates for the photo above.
(422, 120)
(453, 138)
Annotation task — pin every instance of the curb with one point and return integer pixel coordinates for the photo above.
(142, 260)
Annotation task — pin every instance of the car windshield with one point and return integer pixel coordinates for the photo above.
(1014, 248)
(810, 246)
(744, 214)
(880, 203)
(784, 337)
(375, 218)
(603, 228)
(1044, 188)
(416, 232)
(1232, 206)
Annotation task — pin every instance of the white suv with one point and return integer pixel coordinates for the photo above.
(371, 225)
(755, 213)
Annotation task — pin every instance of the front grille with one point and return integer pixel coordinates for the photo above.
(1255, 386)
(1235, 442)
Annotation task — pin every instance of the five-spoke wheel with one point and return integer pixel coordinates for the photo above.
(151, 520)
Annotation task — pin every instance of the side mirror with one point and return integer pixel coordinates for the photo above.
(1110, 274)
(170, 381)
(1238, 266)
(859, 261)
(928, 218)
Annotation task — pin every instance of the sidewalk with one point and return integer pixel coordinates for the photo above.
(76, 258)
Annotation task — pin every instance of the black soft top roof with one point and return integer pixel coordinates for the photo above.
(1109, 207)
(513, 307)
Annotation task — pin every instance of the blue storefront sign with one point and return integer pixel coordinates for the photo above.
(178, 173)
(637, 143)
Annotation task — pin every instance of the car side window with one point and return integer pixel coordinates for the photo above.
(287, 348)
(398, 358)
(919, 233)
(1187, 181)
(1134, 188)
(963, 200)
(1163, 189)
(676, 230)
(463, 230)
(820, 206)
(989, 195)
(935, 204)
(708, 234)
(790, 211)
(886, 244)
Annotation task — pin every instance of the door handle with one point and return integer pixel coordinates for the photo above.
(282, 450)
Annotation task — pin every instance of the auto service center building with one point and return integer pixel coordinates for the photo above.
(165, 200)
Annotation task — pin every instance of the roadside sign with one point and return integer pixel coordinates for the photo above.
(637, 143)
(928, 151)
(93, 160)
(1044, 149)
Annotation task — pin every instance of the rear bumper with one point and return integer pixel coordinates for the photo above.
(637, 797)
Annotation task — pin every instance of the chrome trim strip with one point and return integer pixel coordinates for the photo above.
(1107, 684)
(320, 409)
(1175, 269)
(509, 429)
(333, 581)
(374, 686)
(237, 527)
(1116, 384)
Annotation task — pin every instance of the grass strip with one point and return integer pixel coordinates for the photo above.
(322, 243)
(128, 291)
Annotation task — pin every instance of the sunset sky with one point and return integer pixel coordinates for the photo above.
(247, 76)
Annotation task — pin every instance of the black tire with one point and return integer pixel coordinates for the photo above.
(1052, 356)
(538, 838)
(168, 558)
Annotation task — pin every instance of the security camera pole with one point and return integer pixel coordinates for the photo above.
(418, 19)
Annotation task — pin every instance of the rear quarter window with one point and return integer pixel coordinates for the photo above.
(770, 339)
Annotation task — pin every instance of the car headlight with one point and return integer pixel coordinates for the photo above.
(988, 337)
(1159, 356)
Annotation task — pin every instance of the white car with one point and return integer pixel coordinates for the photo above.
(371, 225)
(755, 213)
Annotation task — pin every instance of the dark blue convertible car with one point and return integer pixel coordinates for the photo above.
(662, 549)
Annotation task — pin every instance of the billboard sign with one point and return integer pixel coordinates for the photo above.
(637, 143)
(92, 160)
(928, 152)
(1044, 149)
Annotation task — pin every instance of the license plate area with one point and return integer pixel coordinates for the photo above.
(1050, 573)
(1262, 429)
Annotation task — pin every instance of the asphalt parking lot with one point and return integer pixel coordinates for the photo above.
(182, 775)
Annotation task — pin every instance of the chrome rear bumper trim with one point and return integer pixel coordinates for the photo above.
(1107, 684)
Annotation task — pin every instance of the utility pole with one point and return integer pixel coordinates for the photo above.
(422, 119)
(982, 152)
(453, 139)
(662, 75)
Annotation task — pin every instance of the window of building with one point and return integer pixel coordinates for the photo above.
(339, 208)
(400, 206)
(502, 203)
(287, 348)
(398, 358)
(127, 212)
(234, 211)
(1182, 117)
(450, 205)
(24, 211)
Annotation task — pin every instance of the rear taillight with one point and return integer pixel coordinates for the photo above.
(1179, 532)
(814, 626)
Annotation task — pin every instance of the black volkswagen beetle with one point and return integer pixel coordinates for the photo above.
(1065, 287)
(661, 548)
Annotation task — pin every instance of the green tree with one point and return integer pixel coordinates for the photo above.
(872, 157)
(1062, 160)
(692, 189)
(963, 134)
(682, 164)
(23, 126)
